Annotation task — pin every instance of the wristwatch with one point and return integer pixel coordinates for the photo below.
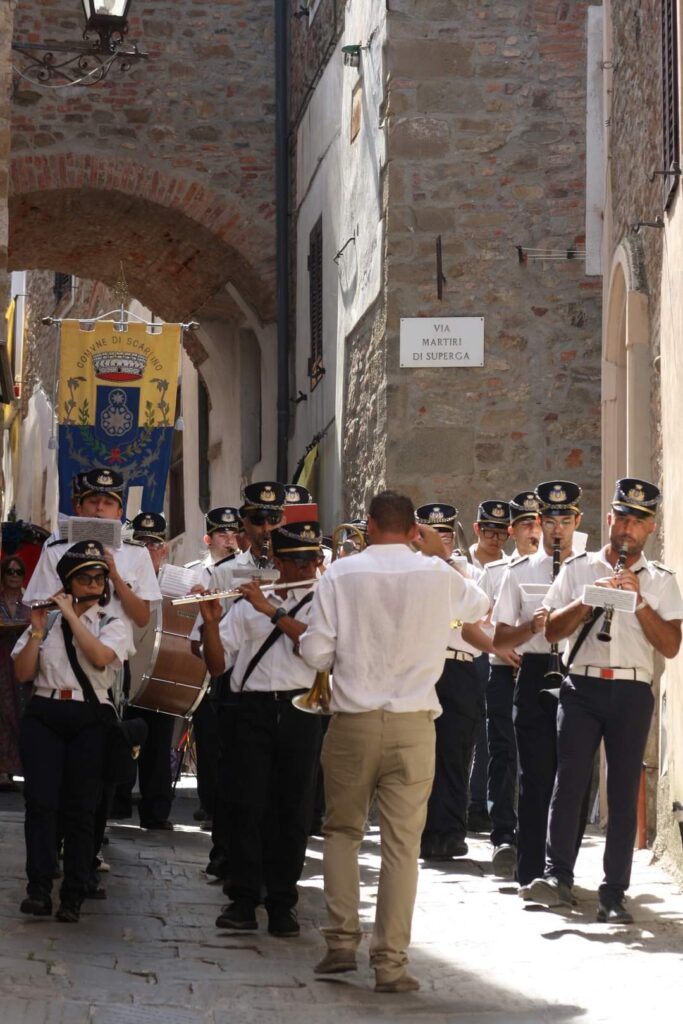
(641, 604)
(37, 634)
(279, 614)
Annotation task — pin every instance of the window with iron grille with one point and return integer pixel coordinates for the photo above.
(670, 109)
(61, 286)
(315, 303)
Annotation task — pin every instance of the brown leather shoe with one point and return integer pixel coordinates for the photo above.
(337, 961)
(403, 983)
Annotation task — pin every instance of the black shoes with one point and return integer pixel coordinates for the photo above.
(504, 860)
(478, 820)
(549, 892)
(238, 916)
(283, 923)
(442, 847)
(157, 826)
(613, 912)
(38, 906)
(95, 892)
(68, 913)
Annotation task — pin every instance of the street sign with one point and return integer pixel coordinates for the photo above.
(427, 342)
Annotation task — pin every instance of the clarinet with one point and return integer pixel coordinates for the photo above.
(262, 562)
(555, 675)
(605, 633)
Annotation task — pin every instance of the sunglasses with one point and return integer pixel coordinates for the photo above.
(85, 578)
(261, 518)
(14, 572)
(298, 561)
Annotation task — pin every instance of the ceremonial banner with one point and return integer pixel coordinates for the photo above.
(116, 404)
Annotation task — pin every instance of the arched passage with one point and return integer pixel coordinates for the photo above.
(625, 373)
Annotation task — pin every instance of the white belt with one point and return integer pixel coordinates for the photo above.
(630, 675)
(452, 655)
(45, 691)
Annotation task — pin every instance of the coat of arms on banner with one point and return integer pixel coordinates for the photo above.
(116, 404)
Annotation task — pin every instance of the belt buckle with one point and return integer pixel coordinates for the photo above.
(607, 673)
(65, 694)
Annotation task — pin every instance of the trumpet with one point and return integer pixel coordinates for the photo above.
(232, 595)
(605, 633)
(317, 700)
(349, 538)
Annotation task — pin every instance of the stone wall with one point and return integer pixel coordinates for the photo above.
(6, 15)
(486, 137)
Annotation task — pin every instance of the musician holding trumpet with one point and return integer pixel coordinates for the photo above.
(608, 692)
(274, 749)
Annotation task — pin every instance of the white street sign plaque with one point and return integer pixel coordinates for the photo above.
(427, 342)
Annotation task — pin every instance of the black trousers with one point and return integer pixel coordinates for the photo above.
(62, 746)
(536, 735)
(502, 746)
(207, 742)
(273, 764)
(225, 712)
(153, 767)
(618, 712)
(480, 757)
(459, 692)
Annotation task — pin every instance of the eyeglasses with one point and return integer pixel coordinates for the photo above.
(261, 518)
(493, 534)
(85, 578)
(153, 545)
(14, 572)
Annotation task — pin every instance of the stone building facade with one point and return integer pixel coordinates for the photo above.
(463, 128)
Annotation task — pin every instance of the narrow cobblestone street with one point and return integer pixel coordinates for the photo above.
(151, 954)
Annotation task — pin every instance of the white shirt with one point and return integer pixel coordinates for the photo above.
(242, 633)
(513, 606)
(219, 577)
(629, 647)
(384, 618)
(54, 668)
(132, 561)
(456, 642)
(490, 581)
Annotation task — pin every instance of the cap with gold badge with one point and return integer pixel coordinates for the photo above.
(301, 540)
(494, 513)
(438, 515)
(636, 498)
(222, 519)
(102, 481)
(86, 554)
(558, 498)
(149, 526)
(295, 494)
(266, 496)
(523, 506)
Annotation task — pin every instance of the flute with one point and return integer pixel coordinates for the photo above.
(605, 633)
(53, 604)
(232, 595)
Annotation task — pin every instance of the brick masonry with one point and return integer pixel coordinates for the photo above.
(486, 139)
(170, 165)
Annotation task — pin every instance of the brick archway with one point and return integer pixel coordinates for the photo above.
(180, 242)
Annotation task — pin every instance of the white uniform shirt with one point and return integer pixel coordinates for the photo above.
(514, 607)
(384, 618)
(219, 577)
(456, 642)
(242, 633)
(490, 581)
(629, 647)
(54, 668)
(132, 561)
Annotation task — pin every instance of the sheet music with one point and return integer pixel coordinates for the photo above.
(177, 581)
(106, 531)
(610, 597)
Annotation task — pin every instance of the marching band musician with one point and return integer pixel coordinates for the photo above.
(525, 530)
(384, 618)
(223, 527)
(608, 693)
(460, 696)
(274, 748)
(519, 619)
(154, 762)
(62, 734)
(492, 530)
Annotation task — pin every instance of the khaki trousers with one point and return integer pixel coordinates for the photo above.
(391, 756)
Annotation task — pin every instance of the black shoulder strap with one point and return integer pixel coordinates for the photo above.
(578, 643)
(272, 638)
(77, 668)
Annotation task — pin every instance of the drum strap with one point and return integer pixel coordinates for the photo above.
(272, 638)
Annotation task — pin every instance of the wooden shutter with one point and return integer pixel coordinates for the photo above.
(315, 300)
(670, 116)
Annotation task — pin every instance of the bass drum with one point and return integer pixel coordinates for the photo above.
(165, 675)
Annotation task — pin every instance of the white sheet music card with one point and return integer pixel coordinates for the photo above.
(177, 581)
(106, 531)
(610, 597)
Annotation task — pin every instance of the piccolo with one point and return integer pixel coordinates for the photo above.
(232, 595)
(53, 604)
